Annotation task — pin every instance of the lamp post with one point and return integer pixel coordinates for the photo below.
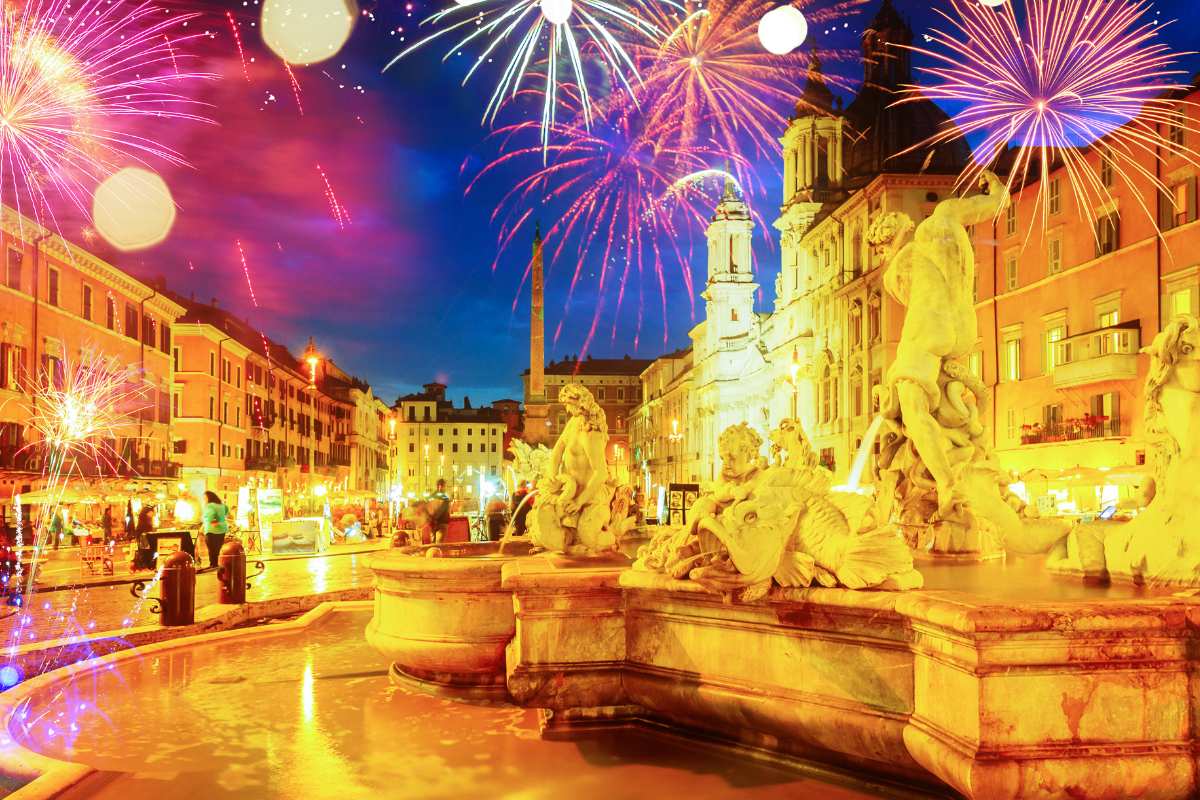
(676, 437)
(794, 379)
(312, 358)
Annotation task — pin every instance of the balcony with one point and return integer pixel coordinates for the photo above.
(1105, 354)
(262, 464)
(1071, 430)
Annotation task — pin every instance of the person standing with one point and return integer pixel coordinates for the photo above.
(215, 526)
(106, 521)
(440, 518)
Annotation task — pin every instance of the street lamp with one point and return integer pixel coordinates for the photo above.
(312, 358)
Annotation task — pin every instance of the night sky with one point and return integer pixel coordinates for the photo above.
(405, 292)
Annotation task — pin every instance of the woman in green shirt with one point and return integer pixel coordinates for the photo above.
(215, 526)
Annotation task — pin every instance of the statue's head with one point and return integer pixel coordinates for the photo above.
(790, 438)
(580, 403)
(1174, 357)
(738, 446)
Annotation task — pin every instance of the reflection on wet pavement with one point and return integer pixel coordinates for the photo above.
(312, 715)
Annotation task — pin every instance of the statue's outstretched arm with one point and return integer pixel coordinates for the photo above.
(979, 207)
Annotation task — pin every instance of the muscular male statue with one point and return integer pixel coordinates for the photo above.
(934, 276)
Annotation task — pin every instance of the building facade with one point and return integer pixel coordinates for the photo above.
(1064, 308)
(435, 441)
(660, 438)
(59, 306)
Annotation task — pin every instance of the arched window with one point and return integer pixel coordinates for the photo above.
(855, 322)
(856, 393)
(873, 317)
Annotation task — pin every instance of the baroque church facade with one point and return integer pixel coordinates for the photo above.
(831, 331)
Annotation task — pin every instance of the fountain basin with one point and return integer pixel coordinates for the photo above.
(442, 618)
(995, 681)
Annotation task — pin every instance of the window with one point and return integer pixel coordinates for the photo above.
(1182, 302)
(212, 363)
(1108, 313)
(148, 336)
(110, 314)
(1054, 333)
(412, 447)
(600, 393)
(620, 394)
(733, 315)
(1011, 358)
(12, 277)
(873, 320)
(1010, 219)
(164, 338)
(212, 447)
(52, 286)
(175, 405)
(975, 363)
(1178, 206)
(212, 407)
(454, 447)
(238, 384)
(175, 360)
(441, 447)
(131, 321)
(1176, 127)
(468, 447)
(1010, 272)
(86, 305)
(1054, 196)
(856, 393)
(1054, 256)
(1108, 234)
(1106, 171)
(855, 323)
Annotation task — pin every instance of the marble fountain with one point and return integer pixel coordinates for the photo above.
(913, 639)
(915, 635)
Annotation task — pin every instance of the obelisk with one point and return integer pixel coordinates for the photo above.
(536, 409)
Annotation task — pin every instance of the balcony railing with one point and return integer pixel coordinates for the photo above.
(1071, 430)
(262, 464)
(1105, 354)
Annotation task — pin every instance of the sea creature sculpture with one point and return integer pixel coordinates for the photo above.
(779, 524)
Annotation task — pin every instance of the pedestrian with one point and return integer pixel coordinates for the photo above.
(215, 526)
(520, 509)
(56, 527)
(440, 518)
(145, 521)
(106, 522)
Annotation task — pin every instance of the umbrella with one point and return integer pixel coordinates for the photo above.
(1039, 475)
(1084, 475)
(1126, 475)
(47, 498)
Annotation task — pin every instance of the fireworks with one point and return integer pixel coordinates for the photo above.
(71, 78)
(77, 410)
(559, 28)
(607, 186)
(1074, 76)
(712, 78)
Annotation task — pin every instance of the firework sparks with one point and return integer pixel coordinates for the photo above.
(77, 408)
(712, 78)
(596, 24)
(295, 86)
(610, 181)
(237, 40)
(340, 215)
(71, 77)
(1074, 76)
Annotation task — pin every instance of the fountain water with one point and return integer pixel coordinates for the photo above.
(854, 481)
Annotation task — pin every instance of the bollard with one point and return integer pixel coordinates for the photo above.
(177, 603)
(231, 574)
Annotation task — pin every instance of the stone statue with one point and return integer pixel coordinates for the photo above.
(763, 524)
(1162, 544)
(936, 474)
(573, 509)
(529, 462)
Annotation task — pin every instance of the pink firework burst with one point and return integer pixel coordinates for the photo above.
(605, 186)
(75, 77)
(1065, 78)
(713, 80)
